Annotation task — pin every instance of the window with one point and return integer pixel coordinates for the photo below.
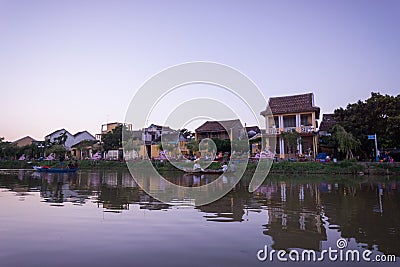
(305, 119)
(289, 121)
(276, 121)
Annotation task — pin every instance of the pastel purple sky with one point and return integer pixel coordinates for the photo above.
(77, 64)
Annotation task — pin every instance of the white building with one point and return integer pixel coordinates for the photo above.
(70, 139)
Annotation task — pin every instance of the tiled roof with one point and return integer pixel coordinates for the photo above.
(78, 133)
(87, 142)
(293, 104)
(26, 137)
(328, 121)
(159, 127)
(253, 128)
(61, 130)
(217, 126)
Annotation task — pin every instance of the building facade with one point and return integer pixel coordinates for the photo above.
(298, 113)
(223, 130)
(69, 139)
(25, 141)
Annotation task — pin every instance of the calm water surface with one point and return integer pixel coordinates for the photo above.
(102, 218)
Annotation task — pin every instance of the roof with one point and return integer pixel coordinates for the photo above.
(86, 142)
(112, 123)
(23, 138)
(63, 130)
(81, 132)
(292, 104)
(217, 126)
(159, 127)
(328, 121)
(252, 128)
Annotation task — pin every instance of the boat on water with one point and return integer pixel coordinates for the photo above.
(54, 170)
(205, 171)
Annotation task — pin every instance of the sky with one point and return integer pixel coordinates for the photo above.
(77, 64)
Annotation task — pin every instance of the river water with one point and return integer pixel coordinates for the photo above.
(102, 218)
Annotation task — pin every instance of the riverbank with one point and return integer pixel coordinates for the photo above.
(342, 167)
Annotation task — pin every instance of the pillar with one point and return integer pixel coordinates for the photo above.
(281, 147)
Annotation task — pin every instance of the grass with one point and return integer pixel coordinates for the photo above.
(342, 167)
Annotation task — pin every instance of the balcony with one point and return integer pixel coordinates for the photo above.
(289, 129)
(273, 131)
(301, 129)
(307, 129)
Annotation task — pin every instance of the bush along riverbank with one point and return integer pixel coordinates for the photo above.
(284, 167)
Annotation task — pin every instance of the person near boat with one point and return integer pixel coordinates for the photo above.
(224, 167)
(70, 165)
(61, 159)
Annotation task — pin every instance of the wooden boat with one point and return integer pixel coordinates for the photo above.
(54, 170)
(205, 171)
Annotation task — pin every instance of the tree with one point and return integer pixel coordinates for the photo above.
(378, 114)
(7, 149)
(56, 149)
(291, 139)
(346, 141)
(193, 146)
(113, 139)
(222, 145)
(61, 139)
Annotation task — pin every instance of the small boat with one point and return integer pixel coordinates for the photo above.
(54, 170)
(205, 171)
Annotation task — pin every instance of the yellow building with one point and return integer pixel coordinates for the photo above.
(108, 127)
(296, 112)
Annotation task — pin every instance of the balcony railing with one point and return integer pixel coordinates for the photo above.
(273, 131)
(301, 129)
(289, 129)
(307, 129)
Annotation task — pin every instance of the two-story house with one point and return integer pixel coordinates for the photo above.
(296, 112)
(109, 127)
(223, 130)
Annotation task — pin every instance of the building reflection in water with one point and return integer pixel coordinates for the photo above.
(299, 213)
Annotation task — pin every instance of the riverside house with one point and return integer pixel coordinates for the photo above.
(70, 140)
(295, 112)
(222, 130)
(25, 141)
(151, 137)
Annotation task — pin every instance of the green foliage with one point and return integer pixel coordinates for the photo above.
(193, 146)
(56, 149)
(11, 151)
(379, 114)
(329, 141)
(343, 167)
(345, 141)
(222, 145)
(61, 139)
(291, 139)
(112, 140)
